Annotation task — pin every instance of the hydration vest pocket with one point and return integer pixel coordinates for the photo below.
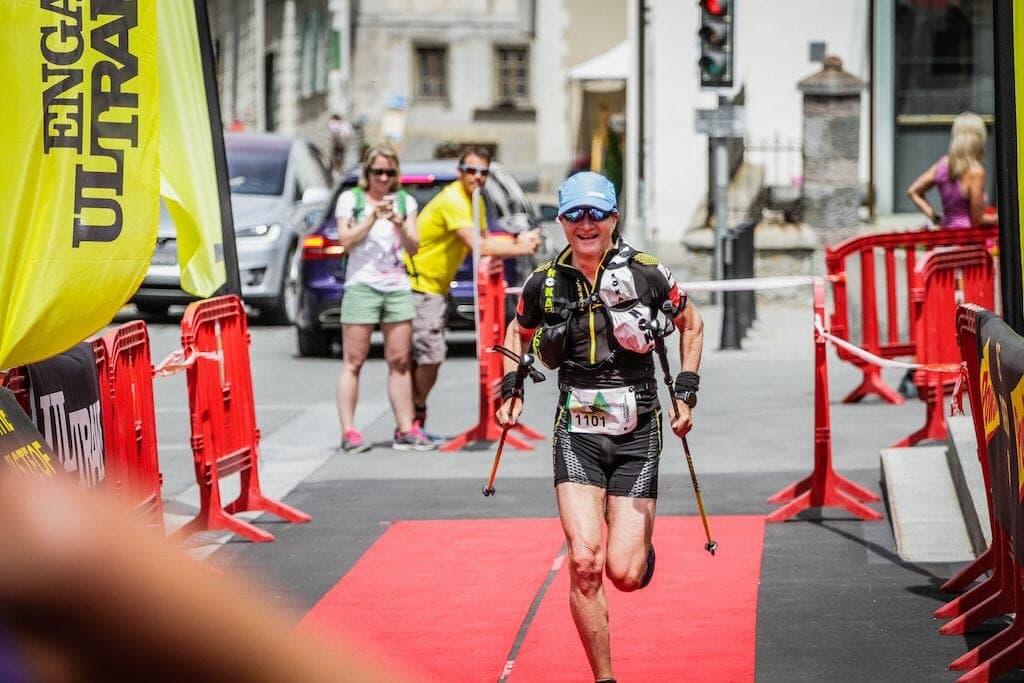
(549, 343)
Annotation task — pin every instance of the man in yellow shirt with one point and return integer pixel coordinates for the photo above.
(446, 236)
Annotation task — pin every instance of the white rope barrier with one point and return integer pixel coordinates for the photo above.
(179, 360)
(861, 353)
(748, 283)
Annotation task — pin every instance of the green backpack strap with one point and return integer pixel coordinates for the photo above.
(360, 202)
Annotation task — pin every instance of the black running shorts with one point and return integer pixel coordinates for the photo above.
(624, 465)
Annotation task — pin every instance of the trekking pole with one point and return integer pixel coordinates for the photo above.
(659, 346)
(524, 368)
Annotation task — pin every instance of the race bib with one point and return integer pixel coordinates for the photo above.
(602, 411)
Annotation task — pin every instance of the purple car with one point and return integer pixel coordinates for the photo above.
(316, 268)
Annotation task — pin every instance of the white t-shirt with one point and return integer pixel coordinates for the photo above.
(377, 260)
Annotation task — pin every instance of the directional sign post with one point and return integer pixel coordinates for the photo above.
(727, 121)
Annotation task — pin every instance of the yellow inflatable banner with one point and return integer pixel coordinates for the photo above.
(188, 170)
(79, 167)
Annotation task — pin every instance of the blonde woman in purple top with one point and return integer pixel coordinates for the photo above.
(959, 177)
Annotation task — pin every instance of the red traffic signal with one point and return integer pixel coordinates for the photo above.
(715, 7)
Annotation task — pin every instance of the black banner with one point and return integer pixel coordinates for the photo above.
(66, 408)
(1001, 384)
(22, 447)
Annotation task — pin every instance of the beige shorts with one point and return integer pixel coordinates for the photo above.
(428, 328)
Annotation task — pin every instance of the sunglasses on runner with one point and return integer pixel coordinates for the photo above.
(389, 172)
(596, 215)
(475, 170)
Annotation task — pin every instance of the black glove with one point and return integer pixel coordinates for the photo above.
(508, 387)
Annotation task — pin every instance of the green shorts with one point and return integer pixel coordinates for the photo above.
(364, 305)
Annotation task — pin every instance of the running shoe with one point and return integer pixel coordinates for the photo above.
(353, 442)
(417, 426)
(412, 440)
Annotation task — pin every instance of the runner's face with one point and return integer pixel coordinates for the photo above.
(589, 238)
(473, 179)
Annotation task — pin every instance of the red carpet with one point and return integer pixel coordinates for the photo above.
(446, 600)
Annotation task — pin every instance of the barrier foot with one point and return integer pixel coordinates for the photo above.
(529, 432)
(934, 427)
(979, 662)
(478, 433)
(873, 384)
(856, 490)
(994, 605)
(841, 483)
(217, 520)
(830, 497)
(1010, 658)
(981, 564)
(964, 602)
(257, 502)
(792, 491)
(457, 442)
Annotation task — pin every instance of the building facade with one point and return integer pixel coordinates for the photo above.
(535, 80)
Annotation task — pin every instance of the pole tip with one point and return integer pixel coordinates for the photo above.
(711, 547)
(487, 491)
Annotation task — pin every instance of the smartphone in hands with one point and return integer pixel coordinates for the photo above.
(387, 206)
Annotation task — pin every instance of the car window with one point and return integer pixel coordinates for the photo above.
(520, 202)
(423, 192)
(508, 207)
(257, 170)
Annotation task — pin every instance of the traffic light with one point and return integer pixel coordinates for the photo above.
(716, 31)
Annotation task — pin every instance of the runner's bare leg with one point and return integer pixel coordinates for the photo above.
(581, 509)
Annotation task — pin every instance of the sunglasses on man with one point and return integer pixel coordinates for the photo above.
(596, 215)
(475, 170)
(389, 172)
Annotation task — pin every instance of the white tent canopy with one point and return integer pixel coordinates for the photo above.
(612, 65)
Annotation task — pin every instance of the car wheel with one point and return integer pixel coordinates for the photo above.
(313, 341)
(153, 310)
(283, 309)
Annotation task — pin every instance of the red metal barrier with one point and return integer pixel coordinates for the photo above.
(866, 249)
(967, 341)
(490, 330)
(129, 423)
(994, 595)
(1003, 592)
(823, 487)
(225, 439)
(943, 280)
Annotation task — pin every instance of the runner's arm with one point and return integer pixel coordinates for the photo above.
(691, 337)
(515, 334)
(691, 345)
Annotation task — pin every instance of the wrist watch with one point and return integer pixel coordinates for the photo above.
(687, 397)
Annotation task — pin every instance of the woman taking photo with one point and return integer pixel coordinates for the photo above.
(376, 226)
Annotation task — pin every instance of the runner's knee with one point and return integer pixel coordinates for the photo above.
(625, 581)
(586, 568)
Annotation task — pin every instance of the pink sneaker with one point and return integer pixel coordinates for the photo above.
(412, 440)
(353, 442)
